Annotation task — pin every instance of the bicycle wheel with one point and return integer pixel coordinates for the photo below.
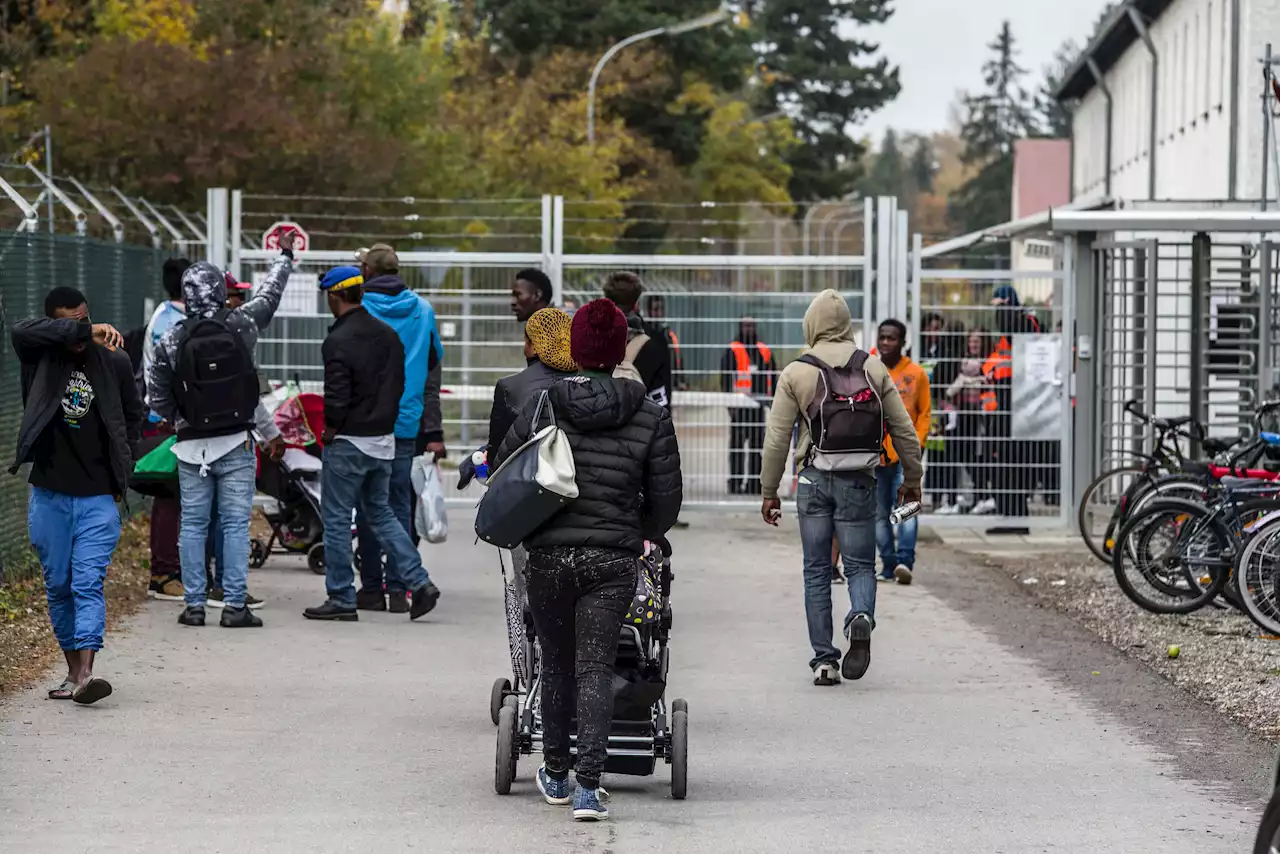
(1173, 557)
(1257, 577)
(1097, 514)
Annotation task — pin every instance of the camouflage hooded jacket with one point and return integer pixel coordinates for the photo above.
(204, 289)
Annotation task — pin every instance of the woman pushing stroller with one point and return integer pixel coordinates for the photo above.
(581, 570)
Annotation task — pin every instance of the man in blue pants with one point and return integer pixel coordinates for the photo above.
(81, 423)
(419, 426)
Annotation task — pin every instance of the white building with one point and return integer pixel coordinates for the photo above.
(1182, 78)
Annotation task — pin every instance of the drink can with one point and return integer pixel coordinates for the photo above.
(904, 512)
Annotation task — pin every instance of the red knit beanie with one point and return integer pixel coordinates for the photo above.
(598, 336)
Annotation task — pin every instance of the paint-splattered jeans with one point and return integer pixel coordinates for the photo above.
(578, 597)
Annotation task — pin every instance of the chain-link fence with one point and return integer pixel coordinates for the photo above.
(120, 283)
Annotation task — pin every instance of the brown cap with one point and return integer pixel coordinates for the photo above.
(381, 258)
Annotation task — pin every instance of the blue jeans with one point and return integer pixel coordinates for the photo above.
(400, 497)
(840, 505)
(888, 479)
(75, 539)
(229, 481)
(215, 554)
(353, 479)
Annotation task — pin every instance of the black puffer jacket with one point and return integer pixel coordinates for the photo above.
(510, 394)
(627, 460)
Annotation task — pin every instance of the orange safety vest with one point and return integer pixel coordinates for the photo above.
(997, 368)
(675, 349)
(742, 379)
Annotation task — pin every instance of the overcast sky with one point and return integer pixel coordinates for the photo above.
(940, 46)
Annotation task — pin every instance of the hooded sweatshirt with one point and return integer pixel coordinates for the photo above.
(204, 291)
(627, 462)
(387, 298)
(828, 332)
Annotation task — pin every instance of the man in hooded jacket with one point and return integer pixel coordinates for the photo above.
(221, 465)
(835, 503)
(1011, 457)
(419, 426)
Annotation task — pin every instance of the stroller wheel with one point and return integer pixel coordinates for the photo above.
(257, 554)
(504, 763)
(501, 688)
(679, 705)
(679, 750)
(315, 558)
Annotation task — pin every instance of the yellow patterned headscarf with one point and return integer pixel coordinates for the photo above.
(548, 331)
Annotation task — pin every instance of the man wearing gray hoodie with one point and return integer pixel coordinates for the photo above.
(203, 381)
(836, 496)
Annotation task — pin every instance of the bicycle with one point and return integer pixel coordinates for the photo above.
(1120, 490)
(1184, 551)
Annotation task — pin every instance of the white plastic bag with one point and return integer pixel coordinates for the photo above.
(429, 513)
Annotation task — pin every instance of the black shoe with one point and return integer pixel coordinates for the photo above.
(398, 603)
(680, 525)
(858, 658)
(192, 616)
(424, 599)
(240, 618)
(330, 611)
(836, 577)
(371, 600)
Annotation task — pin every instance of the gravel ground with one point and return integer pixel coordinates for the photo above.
(1221, 660)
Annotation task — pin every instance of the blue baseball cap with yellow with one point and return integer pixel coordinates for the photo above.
(341, 278)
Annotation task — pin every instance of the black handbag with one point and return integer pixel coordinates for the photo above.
(530, 487)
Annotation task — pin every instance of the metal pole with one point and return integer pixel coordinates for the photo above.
(1200, 248)
(48, 168)
(1141, 27)
(595, 76)
(1066, 483)
(917, 291)
(1233, 133)
(1266, 126)
(1266, 322)
(1087, 339)
(466, 353)
(117, 227)
(237, 236)
(557, 250)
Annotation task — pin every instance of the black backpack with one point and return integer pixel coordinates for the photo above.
(846, 419)
(217, 388)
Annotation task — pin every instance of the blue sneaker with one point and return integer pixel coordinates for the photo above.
(588, 805)
(556, 792)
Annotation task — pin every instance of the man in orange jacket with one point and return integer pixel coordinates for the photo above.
(897, 560)
(747, 368)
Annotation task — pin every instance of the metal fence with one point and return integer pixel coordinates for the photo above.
(702, 301)
(118, 280)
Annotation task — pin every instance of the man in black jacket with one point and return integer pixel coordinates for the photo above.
(363, 384)
(80, 431)
(581, 572)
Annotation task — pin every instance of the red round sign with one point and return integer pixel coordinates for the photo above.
(271, 237)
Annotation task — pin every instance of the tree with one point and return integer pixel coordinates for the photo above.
(993, 120)
(924, 165)
(887, 174)
(795, 52)
(827, 82)
(1052, 117)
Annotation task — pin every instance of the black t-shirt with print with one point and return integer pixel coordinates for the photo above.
(71, 455)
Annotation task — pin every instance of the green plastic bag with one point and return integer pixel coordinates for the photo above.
(159, 463)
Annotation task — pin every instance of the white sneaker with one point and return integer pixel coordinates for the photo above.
(826, 674)
(963, 503)
(902, 574)
(985, 507)
(948, 510)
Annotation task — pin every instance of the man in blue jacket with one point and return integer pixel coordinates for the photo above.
(419, 427)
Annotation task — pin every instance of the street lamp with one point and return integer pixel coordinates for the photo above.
(699, 23)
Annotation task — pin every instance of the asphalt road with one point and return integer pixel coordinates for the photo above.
(980, 728)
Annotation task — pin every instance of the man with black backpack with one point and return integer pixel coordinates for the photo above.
(203, 381)
(843, 398)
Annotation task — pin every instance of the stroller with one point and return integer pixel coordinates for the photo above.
(294, 484)
(643, 730)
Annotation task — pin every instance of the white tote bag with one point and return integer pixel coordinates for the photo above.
(429, 510)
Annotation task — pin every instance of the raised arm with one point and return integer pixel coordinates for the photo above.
(32, 337)
(263, 306)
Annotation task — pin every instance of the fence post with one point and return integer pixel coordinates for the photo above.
(1087, 296)
(467, 310)
(915, 312)
(237, 238)
(1066, 360)
(1200, 249)
(216, 251)
(868, 271)
(557, 251)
